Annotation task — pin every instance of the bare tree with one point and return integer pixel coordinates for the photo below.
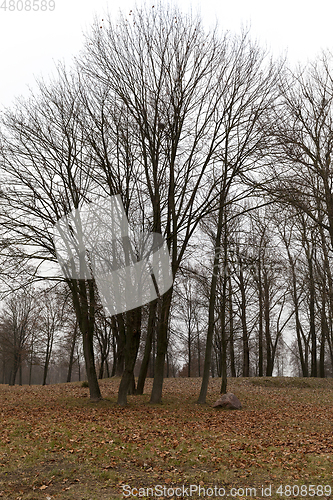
(20, 318)
(52, 318)
(42, 152)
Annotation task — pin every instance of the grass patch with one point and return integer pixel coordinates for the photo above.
(283, 382)
(56, 443)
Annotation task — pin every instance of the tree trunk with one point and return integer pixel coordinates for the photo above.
(245, 336)
(121, 342)
(86, 320)
(211, 308)
(231, 337)
(101, 369)
(153, 357)
(189, 353)
(20, 370)
(312, 299)
(267, 303)
(148, 346)
(131, 388)
(198, 349)
(162, 344)
(114, 345)
(88, 351)
(71, 356)
(47, 358)
(328, 275)
(167, 365)
(324, 336)
(224, 354)
(31, 358)
(3, 369)
(114, 364)
(260, 332)
(14, 369)
(223, 315)
(46, 367)
(299, 331)
(133, 332)
(78, 363)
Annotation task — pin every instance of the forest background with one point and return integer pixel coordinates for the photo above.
(211, 142)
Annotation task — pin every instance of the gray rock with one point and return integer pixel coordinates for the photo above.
(229, 401)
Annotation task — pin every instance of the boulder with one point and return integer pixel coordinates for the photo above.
(228, 401)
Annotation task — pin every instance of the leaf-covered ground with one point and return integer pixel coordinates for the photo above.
(56, 444)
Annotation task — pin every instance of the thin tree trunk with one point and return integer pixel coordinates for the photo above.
(167, 365)
(47, 358)
(71, 356)
(260, 332)
(114, 345)
(189, 353)
(20, 370)
(313, 337)
(328, 275)
(211, 307)
(31, 358)
(3, 369)
(324, 336)
(299, 332)
(153, 357)
(267, 303)
(245, 337)
(114, 364)
(198, 349)
(78, 363)
(223, 315)
(231, 337)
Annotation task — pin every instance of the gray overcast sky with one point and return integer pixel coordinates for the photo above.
(31, 42)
